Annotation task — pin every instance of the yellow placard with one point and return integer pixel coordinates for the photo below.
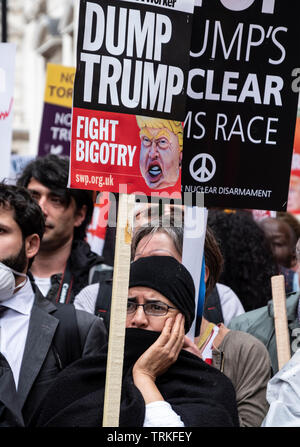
(59, 85)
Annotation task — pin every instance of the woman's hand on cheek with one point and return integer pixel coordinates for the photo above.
(164, 352)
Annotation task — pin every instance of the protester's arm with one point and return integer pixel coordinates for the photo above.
(158, 358)
(160, 414)
(283, 396)
(86, 298)
(10, 411)
(93, 335)
(191, 347)
(154, 362)
(251, 376)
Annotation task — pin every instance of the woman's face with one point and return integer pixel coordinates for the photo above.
(139, 319)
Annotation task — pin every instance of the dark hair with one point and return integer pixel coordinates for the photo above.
(52, 171)
(291, 220)
(26, 211)
(213, 260)
(159, 226)
(249, 263)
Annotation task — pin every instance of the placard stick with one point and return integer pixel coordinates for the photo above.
(195, 221)
(280, 319)
(114, 367)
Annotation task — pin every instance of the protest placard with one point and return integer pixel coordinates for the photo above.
(242, 103)
(259, 215)
(294, 189)
(17, 165)
(127, 127)
(55, 133)
(129, 96)
(96, 231)
(195, 222)
(7, 76)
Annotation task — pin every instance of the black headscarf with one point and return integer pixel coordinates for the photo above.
(170, 278)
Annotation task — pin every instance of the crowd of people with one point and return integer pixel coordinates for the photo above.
(55, 296)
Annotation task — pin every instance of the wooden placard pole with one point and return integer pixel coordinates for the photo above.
(114, 367)
(280, 319)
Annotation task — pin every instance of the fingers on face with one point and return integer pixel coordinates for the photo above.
(166, 332)
(176, 337)
(179, 332)
(173, 332)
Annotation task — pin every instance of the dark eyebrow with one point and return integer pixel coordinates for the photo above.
(56, 194)
(148, 300)
(155, 301)
(51, 193)
(4, 227)
(31, 190)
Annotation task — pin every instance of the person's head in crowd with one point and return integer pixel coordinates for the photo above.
(161, 151)
(282, 239)
(249, 263)
(161, 240)
(157, 240)
(294, 223)
(21, 228)
(160, 287)
(67, 211)
(291, 220)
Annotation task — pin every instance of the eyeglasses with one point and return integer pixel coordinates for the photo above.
(156, 309)
(162, 143)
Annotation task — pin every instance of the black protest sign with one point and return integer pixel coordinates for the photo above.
(242, 103)
(133, 56)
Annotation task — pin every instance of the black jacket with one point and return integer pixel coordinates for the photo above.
(10, 412)
(52, 343)
(199, 393)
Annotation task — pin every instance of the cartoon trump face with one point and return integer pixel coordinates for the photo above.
(161, 151)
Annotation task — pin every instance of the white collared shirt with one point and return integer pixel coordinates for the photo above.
(14, 327)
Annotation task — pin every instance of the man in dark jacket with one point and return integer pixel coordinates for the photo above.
(38, 339)
(62, 266)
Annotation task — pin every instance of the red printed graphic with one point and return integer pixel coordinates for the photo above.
(5, 114)
(106, 153)
(294, 188)
(96, 231)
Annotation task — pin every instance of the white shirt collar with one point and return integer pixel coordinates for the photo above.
(22, 300)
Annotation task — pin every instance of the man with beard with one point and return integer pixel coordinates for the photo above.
(64, 261)
(161, 151)
(37, 338)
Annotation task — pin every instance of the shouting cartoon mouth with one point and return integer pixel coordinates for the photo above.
(154, 171)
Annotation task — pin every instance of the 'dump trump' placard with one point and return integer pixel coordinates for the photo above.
(129, 95)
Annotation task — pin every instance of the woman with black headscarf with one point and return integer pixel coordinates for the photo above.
(160, 375)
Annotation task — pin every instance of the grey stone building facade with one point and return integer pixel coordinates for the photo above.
(43, 31)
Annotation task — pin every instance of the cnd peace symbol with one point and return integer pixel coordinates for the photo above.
(203, 167)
